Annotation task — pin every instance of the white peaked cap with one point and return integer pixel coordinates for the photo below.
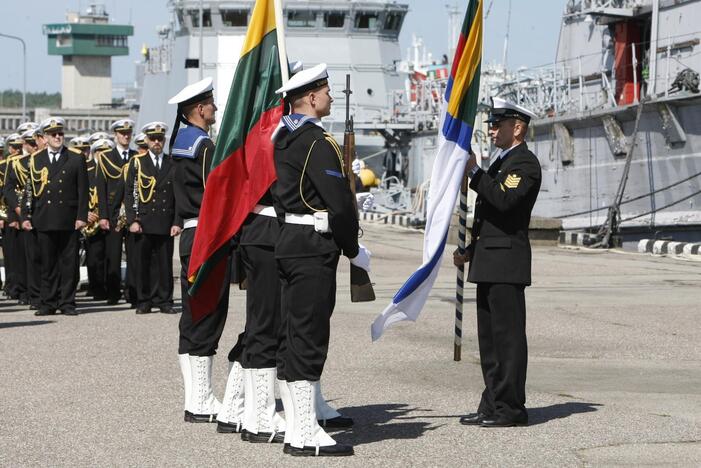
(305, 80)
(503, 109)
(194, 93)
(102, 144)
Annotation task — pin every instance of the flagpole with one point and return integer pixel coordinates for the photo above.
(460, 282)
(281, 47)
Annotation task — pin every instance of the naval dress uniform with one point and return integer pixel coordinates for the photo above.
(501, 268)
(30, 238)
(3, 169)
(110, 192)
(59, 199)
(153, 246)
(13, 238)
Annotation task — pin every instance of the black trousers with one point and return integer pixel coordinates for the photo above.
(59, 269)
(114, 240)
(154, 270)
(95, 263)
(501, 329)
(15, 264)
(263, 313)
(33, 261)
(201, 338)
(308, 299)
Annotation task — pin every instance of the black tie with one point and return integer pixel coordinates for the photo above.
(54, 157)
(125, 155)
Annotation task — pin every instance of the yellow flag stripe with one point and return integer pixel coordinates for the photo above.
(262, 22)
(469, 62)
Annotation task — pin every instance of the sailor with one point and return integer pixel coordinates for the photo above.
(95, 238)
(14, 188)
(3, 205)
(26, 131)
(500, 264)
(192, 150)
(110, 193)
(150, 215)
(320, 223)
(57, 208)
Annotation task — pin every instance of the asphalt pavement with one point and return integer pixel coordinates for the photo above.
(614, 374)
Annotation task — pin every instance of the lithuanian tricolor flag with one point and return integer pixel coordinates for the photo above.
(242, 167)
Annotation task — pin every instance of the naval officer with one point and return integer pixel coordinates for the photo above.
(500, 265)
(192, 150)
(13, 241)
(58, 209)
(320, 223)
(152, 220)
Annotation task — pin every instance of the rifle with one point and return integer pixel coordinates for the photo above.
(360, 284)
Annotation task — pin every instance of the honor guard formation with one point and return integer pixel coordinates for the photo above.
(121, 195)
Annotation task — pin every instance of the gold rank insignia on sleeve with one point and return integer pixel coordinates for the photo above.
(512, 181)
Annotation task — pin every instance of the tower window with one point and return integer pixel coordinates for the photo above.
(301, 19)
(334, 20)
(234, 18)
(365, 20)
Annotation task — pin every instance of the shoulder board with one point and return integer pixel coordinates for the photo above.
(188, 142)
(76, 151)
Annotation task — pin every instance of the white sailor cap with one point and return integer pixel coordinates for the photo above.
(193, 93)
(79, 142)
(2, 142)
(306, 80)
(502, 110)
(122, 125)
(140, 140)
(14, 139)
(27, 126)
(97, 136)
(53, 124)
(103, 144)
(155, 129)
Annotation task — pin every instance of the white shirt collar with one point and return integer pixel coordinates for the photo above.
(155, 158)
(121, 150)
(53, 151)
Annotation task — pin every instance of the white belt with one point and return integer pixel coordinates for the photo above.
(306, 219)
(265, 211)
(190, 223)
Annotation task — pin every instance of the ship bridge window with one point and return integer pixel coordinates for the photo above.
(234, 18)
(64, 40)
(206, 18)
(301, 19)
(334, 19)
(393, 21)
(366, 20)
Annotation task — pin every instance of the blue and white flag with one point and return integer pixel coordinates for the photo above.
(457, 119)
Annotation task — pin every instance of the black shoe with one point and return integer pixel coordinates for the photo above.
(143, 310)
(503, 422)
(168, 310)
(113, 301)
(338, 450)
(69, 311)
(201, 418)
(473, 419)
(226, 428)
(263, 437)
(339, 422)
(41, 312)
(23, 302)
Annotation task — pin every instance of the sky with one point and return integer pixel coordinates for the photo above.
(535, 25)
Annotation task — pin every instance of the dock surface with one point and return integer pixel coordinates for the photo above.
(614, 374)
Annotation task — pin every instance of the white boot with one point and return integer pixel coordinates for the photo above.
(261, 423)
(184, 360)
(286, 398)
(326, 414)
(203, 406)
(308, 438)
(231, 415)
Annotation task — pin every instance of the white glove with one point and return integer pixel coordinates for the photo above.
(356, 166)
(362, 260)
(365, 200)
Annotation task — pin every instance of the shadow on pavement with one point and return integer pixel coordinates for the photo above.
(373, 424)
(561, 410)
(25, 324)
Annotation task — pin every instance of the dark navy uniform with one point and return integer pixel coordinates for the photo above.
(154, 245)
(95, 244)
(13, 238)
(192, 155)
(110, 192)
(501, 267)
(59, 199)
(310, 179)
